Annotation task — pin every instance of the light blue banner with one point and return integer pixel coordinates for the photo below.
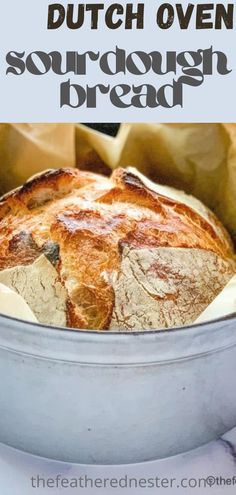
(47, 76)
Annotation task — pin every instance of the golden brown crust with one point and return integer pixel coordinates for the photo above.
(87, 220)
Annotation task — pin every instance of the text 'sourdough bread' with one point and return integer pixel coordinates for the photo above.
(119, 253)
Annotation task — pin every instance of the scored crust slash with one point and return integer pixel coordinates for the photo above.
(119, 253)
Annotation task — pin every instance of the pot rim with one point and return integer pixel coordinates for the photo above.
(117, 348)
(231, 316)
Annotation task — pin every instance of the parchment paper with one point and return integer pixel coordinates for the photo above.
(224, 304)
(26, 149)
(197, 158)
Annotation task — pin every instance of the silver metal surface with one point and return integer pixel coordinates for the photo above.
(110, 398)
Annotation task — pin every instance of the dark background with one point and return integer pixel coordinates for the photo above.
(110, 129)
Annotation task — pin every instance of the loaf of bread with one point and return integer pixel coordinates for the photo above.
(116, 254)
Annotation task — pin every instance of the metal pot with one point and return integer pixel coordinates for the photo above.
(104, 397)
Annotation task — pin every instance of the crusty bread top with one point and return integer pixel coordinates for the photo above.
(82, 221)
